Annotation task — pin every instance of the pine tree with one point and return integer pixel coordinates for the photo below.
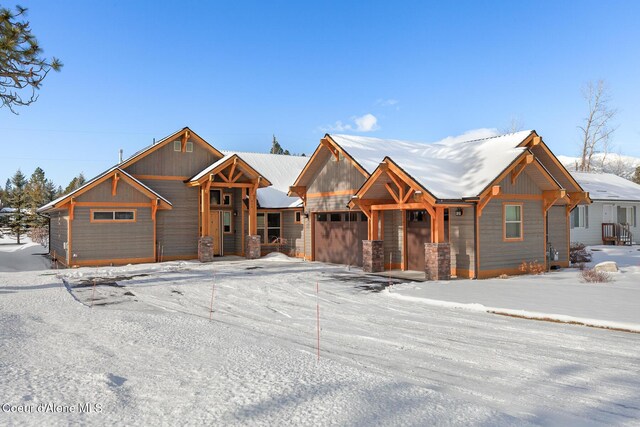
(276, 148)
(37, 195)
(18, 201)
(636, 176)
(75, 183)
(22, 68)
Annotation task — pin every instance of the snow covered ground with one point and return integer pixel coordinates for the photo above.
(147, 353)
(27, 256)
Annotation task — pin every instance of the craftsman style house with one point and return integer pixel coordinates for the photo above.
(612, 218)
(157, 204)
(458, 208)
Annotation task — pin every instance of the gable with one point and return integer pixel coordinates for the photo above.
(333, 174)
(165, 161)
(125, 193)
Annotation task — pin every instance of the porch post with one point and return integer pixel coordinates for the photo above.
(253, 243)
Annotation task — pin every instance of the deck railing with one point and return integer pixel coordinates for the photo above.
(616, 234)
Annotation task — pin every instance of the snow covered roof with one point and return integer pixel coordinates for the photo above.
(82, 188)
(281, 170)
(607, 186)
(211, 167)
(453, 168)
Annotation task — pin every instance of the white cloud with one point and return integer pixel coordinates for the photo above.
(387, 102)
(366, 123)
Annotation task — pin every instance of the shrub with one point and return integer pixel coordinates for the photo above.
(533, 267)
(39, 235)
(578, 253)
(591, 275)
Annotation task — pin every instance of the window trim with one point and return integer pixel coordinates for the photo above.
(188, 147)
(230, 213)
(297, 217)
(178, 145)
(230, 199)
(266, 227)
(221, 198)
(504, 222)
(113, 211)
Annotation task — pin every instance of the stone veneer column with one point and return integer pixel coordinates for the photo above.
(252, 247)
(205, 249)
(437, 261)
(372, 256)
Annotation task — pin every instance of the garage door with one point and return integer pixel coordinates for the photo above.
(338, 237)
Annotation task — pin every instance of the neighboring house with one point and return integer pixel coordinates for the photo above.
(465, 208)
(613, 216)
(156, 205)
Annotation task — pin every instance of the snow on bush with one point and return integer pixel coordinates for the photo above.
(591, 275)
(578, 253)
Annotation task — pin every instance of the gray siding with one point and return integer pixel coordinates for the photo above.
(125, 193)
(166, 161)
(336, 176)
(557, 225)
(58, 230)
(329, 203)
(523, 185)
(392, 236)
(111, 240)
(292, 232)
(497, 254)
(307, 237)
(177, 229)
(461, 237)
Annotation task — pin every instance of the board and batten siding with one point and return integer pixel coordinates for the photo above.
(125, 193)
(178, 229)
(392, 237)
(58, 228)
(334, 176)
(463, 245)
(558, 236)
(167, 162)
(106, 241)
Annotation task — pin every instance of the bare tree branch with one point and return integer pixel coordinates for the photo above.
(596, 131)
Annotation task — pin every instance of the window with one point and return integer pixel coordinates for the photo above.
(322, 217)
(336, 217)
(113, 216)
(226, 222)
(177, 146)
(215, 197)
(269, 226)
(418, 216)
(297, 217)
(189, 147)
(580, 217)
(226, 199)
(513, 222)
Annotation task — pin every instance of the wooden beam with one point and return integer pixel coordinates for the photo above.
(494, 191)
(224, 178)
(374, 225)
(408, 195)
(398, 182)
(334, 151)
(528, 159)
(253, 210)
(235, 178)
(233, 167)
(392, 192)
(550, 197)
(232, 184)
(114, 183)
(185, 138)
(154, 209)
(438, 234)
(72, 206)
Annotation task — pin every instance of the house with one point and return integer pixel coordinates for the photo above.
(613, 216)
(476, 208)
(159, 204)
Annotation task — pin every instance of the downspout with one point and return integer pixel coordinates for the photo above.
(476, 242)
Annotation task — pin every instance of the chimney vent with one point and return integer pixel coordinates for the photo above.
(120, 156)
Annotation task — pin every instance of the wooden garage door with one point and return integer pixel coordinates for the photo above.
(418, 233)
(338, 237)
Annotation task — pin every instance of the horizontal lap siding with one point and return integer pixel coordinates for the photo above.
(497, 254)
(58, 230)
(461, 237)
(111, 240)
(392, 236)
(336, 176)
(328, 204)
(177, 229)
(292, 233)
(557, 219)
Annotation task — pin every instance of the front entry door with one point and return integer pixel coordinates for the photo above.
(418, 233)
(214, 231)
(607, 213)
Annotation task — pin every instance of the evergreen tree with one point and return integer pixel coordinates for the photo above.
(18, 201)
(276, 148)
(22, 67)
(37, 195)
(7, 186)
(75, 183)
(636, 176)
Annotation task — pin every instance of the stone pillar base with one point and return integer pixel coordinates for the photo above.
(372, 256)
(437, 261)
(205, 249)
(252, 247)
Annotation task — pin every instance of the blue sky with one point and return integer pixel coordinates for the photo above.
(237, 72)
